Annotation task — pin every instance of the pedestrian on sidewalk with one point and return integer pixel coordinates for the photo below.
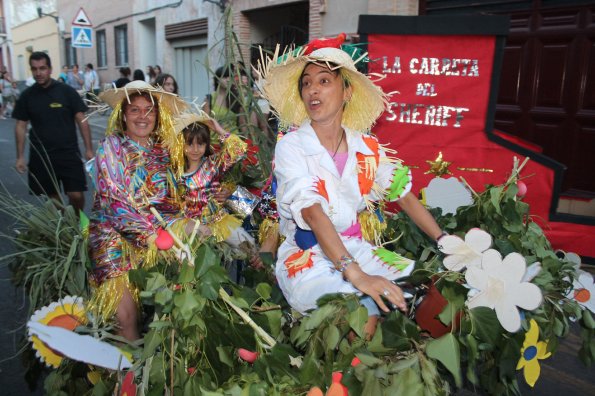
(53, 109)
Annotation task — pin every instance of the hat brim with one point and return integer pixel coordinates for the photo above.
(281, 88)
(116, 96)
(185, 119)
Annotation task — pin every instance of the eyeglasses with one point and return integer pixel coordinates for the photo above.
(136, 111)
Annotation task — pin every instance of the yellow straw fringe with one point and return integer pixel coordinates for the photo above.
(106, 298)
(372, 227)
(221, 229)
(233, 148)
(268, 228)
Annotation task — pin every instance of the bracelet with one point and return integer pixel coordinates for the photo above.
(343, 262)
(444, 233)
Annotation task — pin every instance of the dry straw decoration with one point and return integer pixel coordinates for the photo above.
(281, 74)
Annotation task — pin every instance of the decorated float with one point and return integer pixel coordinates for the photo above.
(485, 307)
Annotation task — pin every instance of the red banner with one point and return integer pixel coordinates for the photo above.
(440, 87)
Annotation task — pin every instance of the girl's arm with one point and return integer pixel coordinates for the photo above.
(232, 150)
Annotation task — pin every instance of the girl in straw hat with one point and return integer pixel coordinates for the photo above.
(199, 185)
(134, 173)
(331, 176)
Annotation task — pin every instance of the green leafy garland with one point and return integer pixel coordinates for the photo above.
(193, 336)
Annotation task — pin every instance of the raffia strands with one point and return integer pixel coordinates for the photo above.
(106, 297)
(268, 228)
(372, 227)
(234, 148)
(281, 74)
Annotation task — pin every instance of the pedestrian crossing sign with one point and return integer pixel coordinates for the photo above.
(82, 37)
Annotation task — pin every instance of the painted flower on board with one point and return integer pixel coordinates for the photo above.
(501, 287)
(531, 352)
(583, 291)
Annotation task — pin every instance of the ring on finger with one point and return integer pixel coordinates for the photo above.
(386, 293)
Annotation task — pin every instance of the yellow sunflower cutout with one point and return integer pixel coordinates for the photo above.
(531, 352)
(67, 313)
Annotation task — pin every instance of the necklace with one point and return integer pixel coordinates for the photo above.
(338, 145)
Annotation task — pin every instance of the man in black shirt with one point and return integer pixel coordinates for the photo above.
(54, 156)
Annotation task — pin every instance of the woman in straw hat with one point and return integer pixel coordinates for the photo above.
(134, 173)
(331, 176)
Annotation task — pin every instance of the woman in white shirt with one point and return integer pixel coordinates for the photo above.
(331, 176)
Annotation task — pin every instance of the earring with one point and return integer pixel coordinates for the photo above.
(124, 118)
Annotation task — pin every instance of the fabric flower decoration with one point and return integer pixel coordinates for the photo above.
(467, 253)
(501, 288)
(531, 352)
(583, 291)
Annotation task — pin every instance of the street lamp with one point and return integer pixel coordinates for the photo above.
(59, 21)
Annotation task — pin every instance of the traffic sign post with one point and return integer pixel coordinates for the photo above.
(81, 31)
(82, 37)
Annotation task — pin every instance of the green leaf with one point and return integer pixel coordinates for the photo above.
(357, 319)
(369, 360)
(155, 281)
(205, 259)
(402, 364)
(446, 350)
(225, 355)
(186, 273)
(397, 331)
(485, 325)
(186, 303)
(332, 337)
(160, 324)
(495, 198)
(152, 340)
(264, 290)
(310, 370)
(371, 384)
(456, 300)
(406, 383)
(588, 320)
(163, 296)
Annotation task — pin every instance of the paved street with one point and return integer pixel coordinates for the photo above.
(561, 375)
(12, 306)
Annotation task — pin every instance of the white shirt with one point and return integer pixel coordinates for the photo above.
(302, 167)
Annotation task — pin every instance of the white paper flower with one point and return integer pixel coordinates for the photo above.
(532, 271)
(583, 291)
(501, 288)
(467, 253)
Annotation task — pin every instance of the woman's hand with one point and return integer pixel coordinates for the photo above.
(220, 194)
(376, 287)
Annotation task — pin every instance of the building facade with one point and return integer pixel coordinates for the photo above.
(185, 38)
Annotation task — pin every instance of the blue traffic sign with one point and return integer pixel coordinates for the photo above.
(82, 37)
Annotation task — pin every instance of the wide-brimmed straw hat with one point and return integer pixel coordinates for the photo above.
(185, 119)
(114, 97)
(281, 75)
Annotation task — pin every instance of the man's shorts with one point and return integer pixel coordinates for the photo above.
(65, 169)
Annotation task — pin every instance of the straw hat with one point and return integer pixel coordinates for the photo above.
(116, 96)
(282, 73)
(185, 119)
